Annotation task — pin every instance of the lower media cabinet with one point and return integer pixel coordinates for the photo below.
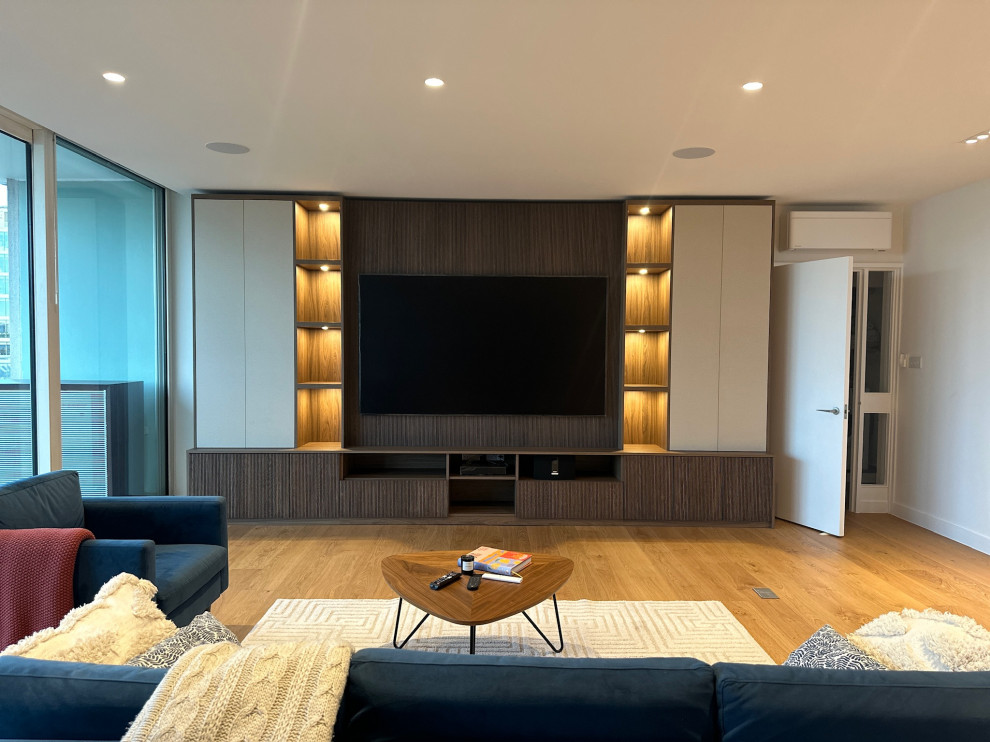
(634, 484)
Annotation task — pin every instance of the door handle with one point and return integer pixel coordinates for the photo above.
(834, 411)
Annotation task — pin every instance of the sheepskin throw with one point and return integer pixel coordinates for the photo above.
(925, 640)
(222, 692)
(36, 566)
(122, 621)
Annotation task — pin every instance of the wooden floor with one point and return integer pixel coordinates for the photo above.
(882, 564)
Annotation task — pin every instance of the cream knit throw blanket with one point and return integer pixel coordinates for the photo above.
(223, 693)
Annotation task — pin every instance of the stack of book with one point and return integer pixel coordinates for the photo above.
(500, 561)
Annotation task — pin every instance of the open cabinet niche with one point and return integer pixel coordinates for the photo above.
(649, 264)
(319, 324)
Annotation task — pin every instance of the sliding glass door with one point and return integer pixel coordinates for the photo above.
(17, 409)
(112, 340)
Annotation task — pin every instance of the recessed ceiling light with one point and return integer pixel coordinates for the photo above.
(113, 77)
(693, 153)
(227, 148)
(974, 138)
(753, 85)
(325, 327)
(324, 207)
(641, 331)
(434, 82)
(643, 271)
(324, 267)
(645, 210)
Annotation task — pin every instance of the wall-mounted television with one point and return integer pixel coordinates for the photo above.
(482, 345)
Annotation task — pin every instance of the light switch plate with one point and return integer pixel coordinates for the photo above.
(914, 362)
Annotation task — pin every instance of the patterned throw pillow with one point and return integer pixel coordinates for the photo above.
(204, 629)
(828, 649)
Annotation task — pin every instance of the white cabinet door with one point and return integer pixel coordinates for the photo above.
(745, 328)
(269, 319)
(720, 302)
(694, 320)
(245, 346)
(219, 306)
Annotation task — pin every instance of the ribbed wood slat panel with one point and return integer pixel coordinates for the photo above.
(266, 484)
(314, 489)
(394, 498)
(696, 493)
(648, 483)
(747, 487)
(255, 484)
(569, 499)
(493, 239)
(649, 238)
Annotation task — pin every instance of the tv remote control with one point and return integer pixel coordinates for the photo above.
(441, 582)
(474, 582)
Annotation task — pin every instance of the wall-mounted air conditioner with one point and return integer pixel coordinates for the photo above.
(839, 230)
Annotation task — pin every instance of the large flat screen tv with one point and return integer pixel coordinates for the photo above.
(482, 345)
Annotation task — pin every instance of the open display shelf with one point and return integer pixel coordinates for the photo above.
(649, 264)
(319, 326)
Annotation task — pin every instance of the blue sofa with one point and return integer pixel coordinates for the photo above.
(409, 695)
(177, 543)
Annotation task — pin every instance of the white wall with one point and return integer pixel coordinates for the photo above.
(181, 367)
(943, 417)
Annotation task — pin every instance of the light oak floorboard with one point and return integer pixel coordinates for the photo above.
(882, 564)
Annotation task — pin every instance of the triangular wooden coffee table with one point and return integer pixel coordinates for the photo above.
(410, 575)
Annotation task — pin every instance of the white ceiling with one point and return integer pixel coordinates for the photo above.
(865, 100)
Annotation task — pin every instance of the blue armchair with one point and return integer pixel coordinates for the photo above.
(177, 543)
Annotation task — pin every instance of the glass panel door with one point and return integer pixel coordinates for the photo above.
(17, 421)
(874, 399)
(112, 327)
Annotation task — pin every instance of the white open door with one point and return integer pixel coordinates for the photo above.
(810, 315)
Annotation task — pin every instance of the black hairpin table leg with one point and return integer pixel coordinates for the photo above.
(395, 634)
(560, 631)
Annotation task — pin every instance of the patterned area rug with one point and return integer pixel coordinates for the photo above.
(705, 630)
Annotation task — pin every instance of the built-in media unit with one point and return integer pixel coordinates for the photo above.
(482, 361)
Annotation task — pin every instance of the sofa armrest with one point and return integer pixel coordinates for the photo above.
(99, 560)
(162, 519)
(46, 699)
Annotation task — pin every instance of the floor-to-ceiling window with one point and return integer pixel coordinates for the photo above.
(111, 325)
(17, 428)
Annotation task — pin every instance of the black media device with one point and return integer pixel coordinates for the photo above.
(474, 583)
(478, 465)
(482, 345)
(553, 467)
